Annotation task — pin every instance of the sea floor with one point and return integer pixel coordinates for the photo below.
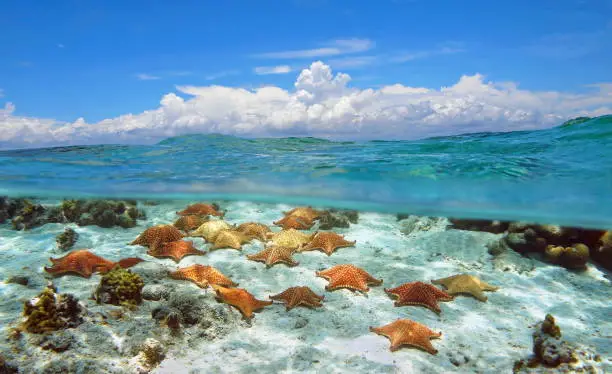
(477, 337)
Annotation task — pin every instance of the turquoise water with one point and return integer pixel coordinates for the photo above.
(561, 175)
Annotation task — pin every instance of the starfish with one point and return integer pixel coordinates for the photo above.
(200, 210)
(296, 296)
(156, 235)
(254, 230)
(209, 230)
(328, 242)
(189, 222)
(419, 293)
(202, 276)
(273, 255)
(465, 283)
(290, 238)
(348, 276)
(85, 263)
(175, 250)
(229, 239)
(241, 299)
(305, 212)
(294, 222)
(405, 331)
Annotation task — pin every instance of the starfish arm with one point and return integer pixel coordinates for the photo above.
(487, 287)
(479, 295)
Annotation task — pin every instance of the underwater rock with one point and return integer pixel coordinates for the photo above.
(412, 224)
(151, 354)
(58, 342)
(120, 287)
(495, 227)
(6, 367)
(574, 257)
(602, 252)
(18, 279)
(29, 216)
(190, 306)
(49, 312)
(401, 216)
(103, 213)
(67, 239)
(335, 218)
(155, 292)
(151, 272)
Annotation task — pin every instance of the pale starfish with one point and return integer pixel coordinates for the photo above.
(274, 255)
(291, 238)
(327, 242)
(254, 230)
(305, 212)
(229, 239)
(209, 230)
(466, 284)
(405, 331)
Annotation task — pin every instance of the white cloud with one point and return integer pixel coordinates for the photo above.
(333, 48)
(321, 104)
(264, 70)
(353, 62)
(425, 54)
(146, 77)
(222, 74)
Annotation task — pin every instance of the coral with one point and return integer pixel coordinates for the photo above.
(29, 215)
(602, 251)
(66, 240)
(103, 213)
(7, 368)
(574, 257)
(333, 218)
(120, 287)
(50, 312)
(151, 353)
(495, 227)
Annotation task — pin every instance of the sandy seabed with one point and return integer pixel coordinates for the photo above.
(479, 337)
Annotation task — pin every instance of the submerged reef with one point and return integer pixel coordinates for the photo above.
(50, 311)
(495, 227)
(25, 214)
(120, 287)
(67, 239)
(336, 218)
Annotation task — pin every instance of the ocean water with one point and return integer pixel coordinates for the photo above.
(560, 176)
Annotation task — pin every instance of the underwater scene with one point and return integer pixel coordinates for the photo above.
(480, 253)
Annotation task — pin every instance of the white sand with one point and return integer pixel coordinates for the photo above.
(476, 336)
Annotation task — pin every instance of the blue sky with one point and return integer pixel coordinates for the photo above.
(100, 59)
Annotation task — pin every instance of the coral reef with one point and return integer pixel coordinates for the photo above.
(603, 250)
(151, 354)
(120, 287)
(494, 227)
(67, 239)
(49, 312)
(549, 349)
(574, 257)
(335, 218)
(28, 216)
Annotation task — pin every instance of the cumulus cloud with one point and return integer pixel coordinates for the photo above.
(333, 48)
(321, 104)
(265, 70)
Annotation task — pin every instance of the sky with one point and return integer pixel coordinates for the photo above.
(86, 72)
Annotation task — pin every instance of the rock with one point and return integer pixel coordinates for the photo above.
(414, 224)
(29, 216)
(103, 213)
(6, 367)
(85, 219)
(602, 252)
(329, 220)
(155, 292)
(517, 241)
(574, 257)
(58, 342)
(151, 354)
(494, 227)
(401, 216)
(151, 272)
(301, 322)
(18, 279)
(190, 305)
(67, 239)
(497, 247)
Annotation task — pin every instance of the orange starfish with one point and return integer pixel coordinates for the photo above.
(189, 222)
(294, 222)
(200, 210)
(306, 212)
(202, 276)
(175, 250)
(348, 276)
(274, 255)
(254, 230)
(156, 235)
(296, 296)
(419, 293)
(405, 331)
(241, 299)
(85, 263)
(328, 242)
(229, 239)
